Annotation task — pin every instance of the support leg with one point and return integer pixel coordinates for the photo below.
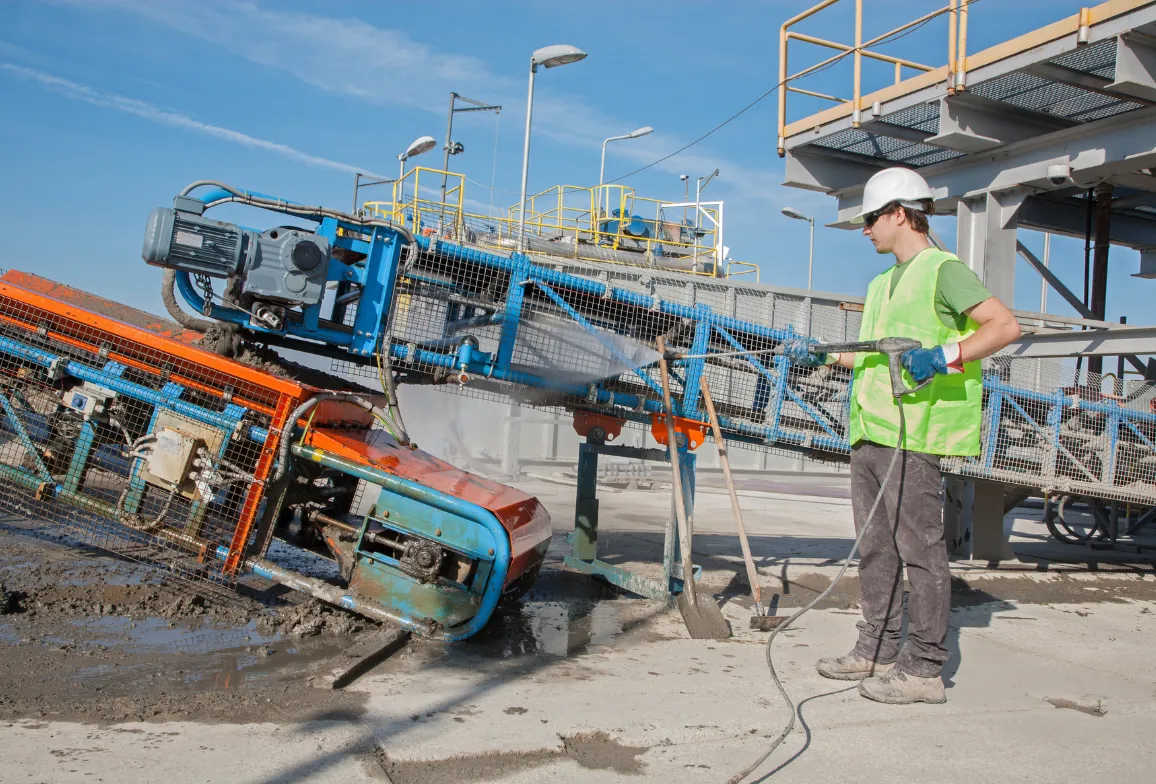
(585, 542)
(672, 551)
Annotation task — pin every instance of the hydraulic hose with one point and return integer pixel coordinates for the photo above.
(305, 211)
(391, 390)
(790, 725)
(284, 444)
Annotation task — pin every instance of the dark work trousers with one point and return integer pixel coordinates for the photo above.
(907, 529)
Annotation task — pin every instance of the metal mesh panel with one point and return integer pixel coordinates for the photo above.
(1047, 427)
(1099, 58)
(1063, 100)
(874, 145)
(132, 447)
(921, 117)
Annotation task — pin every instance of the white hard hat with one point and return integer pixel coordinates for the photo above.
(895, 184)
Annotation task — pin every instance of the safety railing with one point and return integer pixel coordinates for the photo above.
(604, 224)
(955, 10)
(613, 217)
(742, 269)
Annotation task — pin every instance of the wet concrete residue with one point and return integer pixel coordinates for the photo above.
(1098, 710)
(564, 615)
(591, 750)
(94, 638)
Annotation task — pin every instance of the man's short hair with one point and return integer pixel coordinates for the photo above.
(917, 219)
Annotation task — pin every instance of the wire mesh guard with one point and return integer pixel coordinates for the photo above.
(557, 334)
(129, 442)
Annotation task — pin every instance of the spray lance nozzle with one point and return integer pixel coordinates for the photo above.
(893, 347)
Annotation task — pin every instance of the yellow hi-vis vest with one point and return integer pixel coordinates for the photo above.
(944, 417)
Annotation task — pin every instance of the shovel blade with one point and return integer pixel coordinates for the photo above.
(703, 619)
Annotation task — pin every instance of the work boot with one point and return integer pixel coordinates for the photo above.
(851, 667)
(897, 687)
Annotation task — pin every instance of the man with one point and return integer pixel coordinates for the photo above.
(929, 295)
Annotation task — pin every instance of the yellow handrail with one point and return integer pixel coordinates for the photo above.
(744, 268)
(957, 56)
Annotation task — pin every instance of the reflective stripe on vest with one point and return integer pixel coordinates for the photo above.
(944, 417)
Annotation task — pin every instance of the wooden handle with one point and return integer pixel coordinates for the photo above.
(724, 461)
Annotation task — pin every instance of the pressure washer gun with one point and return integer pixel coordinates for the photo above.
(893, 347)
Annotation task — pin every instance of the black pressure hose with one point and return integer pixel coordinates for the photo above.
(790, 725)
(305, 211)
(284, 445)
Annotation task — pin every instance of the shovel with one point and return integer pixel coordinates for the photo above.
(701, 615)
(760, 620)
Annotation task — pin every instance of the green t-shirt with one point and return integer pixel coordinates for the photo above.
(957, 289)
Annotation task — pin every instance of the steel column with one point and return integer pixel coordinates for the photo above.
(1103, 195)
(986, 239)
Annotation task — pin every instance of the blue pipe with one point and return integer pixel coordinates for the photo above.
(992, 383)
(219, 194)
(117, 384)
(446, 503)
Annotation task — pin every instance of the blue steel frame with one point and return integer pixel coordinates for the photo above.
(378, 275)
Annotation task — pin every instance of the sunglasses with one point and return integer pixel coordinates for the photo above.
(871, 218)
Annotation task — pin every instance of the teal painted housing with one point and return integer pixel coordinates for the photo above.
(378, 576)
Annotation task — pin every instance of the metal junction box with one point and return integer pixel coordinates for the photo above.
(175, 449)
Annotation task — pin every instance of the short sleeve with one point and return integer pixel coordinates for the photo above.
(958, 288)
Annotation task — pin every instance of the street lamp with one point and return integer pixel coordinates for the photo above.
(424, 144)
(547, 57)
(632, 135)
(417, 147)
(792, 213)
(643, 131)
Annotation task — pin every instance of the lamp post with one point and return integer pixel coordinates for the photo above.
(792, 213)
(643, 131)
(452, 147)
(699, 186)
(424, 144)
(417, 147)
(632, 135)
(547, 57)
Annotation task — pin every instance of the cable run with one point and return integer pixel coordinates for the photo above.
(746, 108)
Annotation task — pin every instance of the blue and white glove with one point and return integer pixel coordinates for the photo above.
(924, 363)
(798, 350)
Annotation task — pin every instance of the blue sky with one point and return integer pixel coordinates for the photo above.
(111, 106)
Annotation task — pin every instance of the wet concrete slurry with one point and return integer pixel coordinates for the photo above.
(97, 640)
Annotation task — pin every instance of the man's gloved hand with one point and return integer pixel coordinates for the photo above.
(798, 350)
(923, 363)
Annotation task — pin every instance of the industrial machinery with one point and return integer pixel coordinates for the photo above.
(120, 427)
(393, 307)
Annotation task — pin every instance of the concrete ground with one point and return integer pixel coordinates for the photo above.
(1050, 679)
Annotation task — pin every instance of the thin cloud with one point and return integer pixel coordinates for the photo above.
(155, 114)
(383, 66)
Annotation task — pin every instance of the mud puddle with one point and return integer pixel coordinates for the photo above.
(565, 615)
(593, 751)
(94, 638)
